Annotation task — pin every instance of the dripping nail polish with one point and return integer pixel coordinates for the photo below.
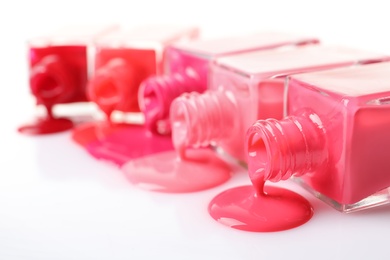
(125, 58)
(58, 73)
(247, 87)
(334, 139)
(188, 65)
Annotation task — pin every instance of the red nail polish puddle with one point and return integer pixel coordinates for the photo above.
(46, 126)
(166, 172)
(120, 143)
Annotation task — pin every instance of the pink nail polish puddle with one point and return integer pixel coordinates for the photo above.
(275, 209)
(58, 74)
(123, 61)
(127, 143)
(93, 131)
(334, 141)
(199, 169)
(188, 65)
(260, 208)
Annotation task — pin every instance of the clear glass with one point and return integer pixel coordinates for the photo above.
(246, 87)
(353, 107)
(125, 58)
(187, 71)
(60, 62)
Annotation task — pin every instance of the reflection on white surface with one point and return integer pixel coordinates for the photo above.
(56, 202)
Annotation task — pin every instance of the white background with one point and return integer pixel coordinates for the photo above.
(58, 203)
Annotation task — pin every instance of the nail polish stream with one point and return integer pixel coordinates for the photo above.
(260, 208)
(46, 125)
(172, 172)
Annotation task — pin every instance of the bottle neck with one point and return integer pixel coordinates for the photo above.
(51, 81)
(199, 119)
(157, 93)
(279, 149)
(114, 87)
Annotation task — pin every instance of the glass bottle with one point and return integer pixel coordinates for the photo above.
(334, 139)
(188, 68)
(59, 64)
(247, 87)
(125, 58)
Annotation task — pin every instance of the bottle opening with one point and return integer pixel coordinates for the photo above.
(258, 160)
(180, 121)
(47, 86)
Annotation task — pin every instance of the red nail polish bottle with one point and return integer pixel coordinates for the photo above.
(58, 73)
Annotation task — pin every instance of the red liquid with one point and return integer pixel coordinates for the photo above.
(166, 172)
(58, 75)
(46, 126)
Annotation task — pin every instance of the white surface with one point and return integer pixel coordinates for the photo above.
(58, 203)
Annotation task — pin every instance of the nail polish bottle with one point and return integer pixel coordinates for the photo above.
(59, 65)
(247, 87)
(188, 65)
(334, 139)
(125, 58)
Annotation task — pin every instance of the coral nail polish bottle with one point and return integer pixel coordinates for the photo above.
(124, 59)
(188, 65)
(59, 65)
(247, 87)
(335, 139)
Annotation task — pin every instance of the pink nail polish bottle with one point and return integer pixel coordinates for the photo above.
(335, 138)
(59, 66)
(188, 65)
(247, 87)
(125, 58)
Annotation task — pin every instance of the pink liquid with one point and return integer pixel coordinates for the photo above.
(258, 208)
(189, 65)
(250, 86)
(123, 61)
(167, 172)
(354, 110)
(128, 143)
(276, 210)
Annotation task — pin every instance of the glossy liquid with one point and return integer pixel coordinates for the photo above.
(128, 143)
(253, 85)
(46, 125)
(354, 111)
(58, 75)
(119, 72)
(200, 169)
(260, 208)
(123, 61)
(188, 66)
